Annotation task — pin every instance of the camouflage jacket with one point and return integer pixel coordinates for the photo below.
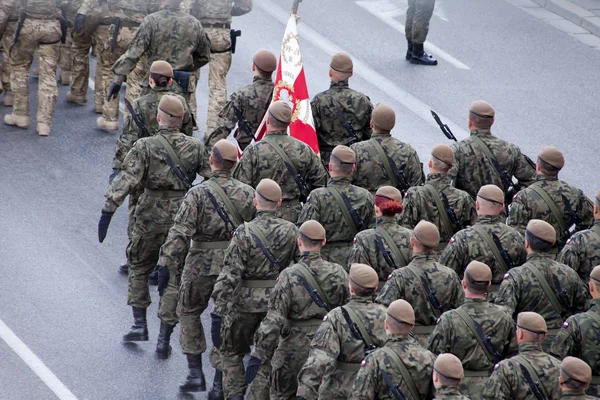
(449, 393)
(146, 108)
(70, 8)
(472, 169)
(244, 260)
(371, 168)
(8, 12)
(419, 205)
(320, 377)
(442, 281)
(291, 302)
(169, 35)
(521, 291)
(41, 9)
(468, 245)
(582, 251)
(366, 251)
(369, 383)
(198, 219)
(576, 395)
(132, 12)
(508, 383)
(216, 11)
(252, 101)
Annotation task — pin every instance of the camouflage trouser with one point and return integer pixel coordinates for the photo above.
(80, 68)
(220, 62)
(167, 307)
(194, 295)
(418, 14)
(472, 387)
(191, 96)
(337, 253)
(289, 210)
(65, 60)
(7, 39)
(34, 33)
(134, 197)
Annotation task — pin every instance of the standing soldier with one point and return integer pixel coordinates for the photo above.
(165, 184)
(575, 377)
(543, 285)
(341, 115)
(437, 201)
(258, 252)
(248, 105)
(427, 285)
(447, 375)
(383, 159)
(529, 374)
(284, 159)
(347, 333)
(418, 15)
(9, 17)
(303, 294)
(69, 10)
(479, 333)
(386, 247)
(342, 208)
(402, 364)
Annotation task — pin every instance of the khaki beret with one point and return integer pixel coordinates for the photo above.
(542, 230)
(491, 193)
(341, 62)
(344, 154)
(482, 109)
(313, 230)
(595, 274)
(427, 234)
(281, 111)
(265, 60)
(364, 276)
(171, 105)
(532, 322)
(383, 117)
(161, 67)
(443, 153)
(553, 156)
(576, 369)
(389, 192)
(402, 311)
(449, 366)
(477, 275)
(269, 190)
(227, 150)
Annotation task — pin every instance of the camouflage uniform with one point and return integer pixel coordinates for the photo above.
(65, 62)
(356, 108)
(582, 251)
(573, 395)
(451, 335)
(284, 335)
(369, 383)
(322, 206)
(449, 393)
(9, 16)
(418, 15)
(241, 300)
(335, 354)
(260, 161)
(507, 380)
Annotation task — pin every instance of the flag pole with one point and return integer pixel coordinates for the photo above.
(295, 6)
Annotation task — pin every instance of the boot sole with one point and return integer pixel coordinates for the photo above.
(417, 62)
(195, 389)
(136, 339)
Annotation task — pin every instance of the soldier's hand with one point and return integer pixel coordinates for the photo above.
(163, 279)
(79, 20)
(103, 225)
(215, 329)
(252, 369)
(113, 92)
(113, 175)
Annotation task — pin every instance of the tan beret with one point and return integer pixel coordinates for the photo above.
(595, 274)
(477, 275)
(427, 234)
(227, 150)
(389, 192)
(313, 230)
(161, 67)
(449, 366)
(281, 111)
(364, 276)
(542, 230)
(482, 109)
(443, 153)
(576, 369)
(531, 321)
(491, 193)
(269, 190)
(383, 117)
(341, 62)
(344, 154)
(553, 156)
(402, 311)
(171, 105)
(265, 60)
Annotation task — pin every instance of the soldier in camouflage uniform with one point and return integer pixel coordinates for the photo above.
(580, 334)
(439, 202)
(69, 11)
(342, 208)
(163, 194)
(252, 102)
(383, 159)
(374, 247)
(509, 381)
(341, 115)
(447, 375)
(400, 347)
(575, 376)
(457, 332)
(416, 28)
(264, 159)
(427, 285)
(284, 335)
(9, 16)
(258, 252)
(335, 351)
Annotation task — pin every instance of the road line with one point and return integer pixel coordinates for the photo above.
(92, 85)
(33, 362)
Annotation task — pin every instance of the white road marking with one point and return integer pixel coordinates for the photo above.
(33, 362)
(92, 85)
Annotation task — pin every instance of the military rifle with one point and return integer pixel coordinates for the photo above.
(360, 225)
(113, 41)
(367, 348)
(450, 212)
(503, 252)
(347, 125)
(234, 35)
(431, 295)
(445, 128)
(487, 342)
(535, 386)
(574, 216)
(243, 123)
(400, 177)
(265, 250)
(221, 211)
(394, 388)
(563, 296)
(314, 294)
(387, 255)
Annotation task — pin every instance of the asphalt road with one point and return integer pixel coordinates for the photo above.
(61, 293)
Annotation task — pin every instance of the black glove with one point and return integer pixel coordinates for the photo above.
(252, 369)
(215, 329)
(163, 279)
(113, 175)
(103, 225)
(79, 20)
(113, 92)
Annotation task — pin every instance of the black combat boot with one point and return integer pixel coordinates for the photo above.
(420, 57)
(124, 269)
(163, 348)
(153, 278)
(139, 329)
(409, 52)
(216, 393)
(195, 380)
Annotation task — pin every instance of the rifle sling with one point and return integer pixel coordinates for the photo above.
(552, 206)
(345, 212)
(167, 146)
(386, 162)
(487, 238)
(408, 380)
(419, 276)
(269, 140)
(398, 255)
(488, 154)
(312, 282)
(466, 318)
(229, 207)
(363, 331)
(550, 294)
(446, 224)
(527, 365)
(253, 230)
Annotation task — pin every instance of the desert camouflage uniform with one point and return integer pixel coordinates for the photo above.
(582, 251)
(449, 393)
(65, 61)
(9, 16)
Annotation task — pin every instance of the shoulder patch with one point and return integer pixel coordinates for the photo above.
(308, 199)
(389, 277)
(565, 325)
(506, 275)
(437, 321)
(496, 366)
(354, 241)
(452, 240)
(325, 318)
(514, 197)
(568, 241)
(362, 364)
(406, 195)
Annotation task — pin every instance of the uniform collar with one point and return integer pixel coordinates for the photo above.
(265, 214)
(311, 256)
(220, 174)
(164, 130)
(526, 347)
(357, 299)
(343, 83)
(489, 219)
(539, 256)
(427, 256)
(397, 338)
(281, 132)
(542, 177)
(338, 180)
(386, 220)
(481, 132)
(160, 89)
(262, 78)
(475, 301)
(448, 391)
(595, 304)
(442, 178)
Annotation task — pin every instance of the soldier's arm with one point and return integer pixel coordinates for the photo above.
(414, 174)
(358, 254)
(518, 216)
(470, 211)
(241, 7)
(367, 131)
(458, 297)
(571, 257)
(187, 124)
(201, 54)
(566, 340)
(455, 256)
(586, 212)
(316, 113)
(316, 176)
(138, 46)
(453, 172)
(225, 123)
(204, 166)
(367, 380)
(523, 171)
(231, 274)
(440, 340)
(131, 133)
(499, 385)
(370, 215)
(508, 295)
(392, 290)
(310, 210)
(581, 296)
(132, 172)
(409, 215)
(5, 9)
(243, 170)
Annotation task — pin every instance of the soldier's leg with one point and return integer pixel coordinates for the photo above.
(290, 356)
(261, 385)
(194, 77)
(135, 80)
(101, 35)
(65, 60)
(408, 24)
(420, 28)
(47, 87)
(220, 62)
(9, 33)
(80, 68)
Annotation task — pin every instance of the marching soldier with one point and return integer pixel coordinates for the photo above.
(9, 18)
(69, 11)
(418, 15)
(575, 376)
(447, 375)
